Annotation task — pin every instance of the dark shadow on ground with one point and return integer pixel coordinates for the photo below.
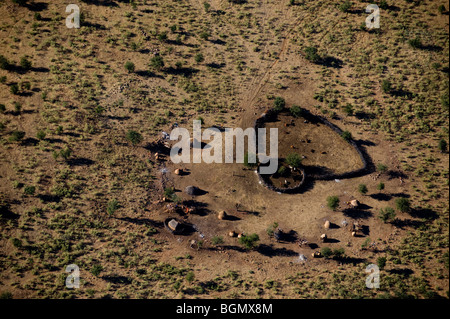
(270, 251)
(357, 213)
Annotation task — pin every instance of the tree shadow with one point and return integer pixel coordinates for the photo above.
(288, 237)
(357, 213)
(36, 6)
(405, 272)
(185, 72)
(402, 223)
(269, 251)
(332, 62)
(235, 248)
(30, 141)
(148, 74)
(7, 213)
(80, 161)
(142, 221)
(216, 65)
(350, 260)
(396, 174)
(117, 279)
(46, 198)
(381, 197)
(40, 69)
(424, 213)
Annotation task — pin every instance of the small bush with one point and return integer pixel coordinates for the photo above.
(344, 7)
(362, 188)
(29, 190)
(217, 240)
(348, 109)
(134, 137)
(199, 58)
(333, 202)
(296, 111)
(14, 88)
(190, 276)
(312, 55)
(387, 214)
(326, 252)
(279, 104)
(403, 205)
(16, 242)
(386, 86)
(415, 43)
(16, 136)
(250, 241)
(157, 62)
(40, 135)
(96, 270)
(381, 168)
(4, 63)
(112, 207)
(381, 262)
(294, 160)
(346, 135)
(380, 186)
(441, 9)
(25, 63)
(129, 66)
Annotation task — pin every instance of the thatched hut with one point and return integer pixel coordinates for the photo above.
(192, 190)
(222, 215)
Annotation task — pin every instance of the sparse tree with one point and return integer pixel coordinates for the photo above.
(250, 241)
(134, 137)
(294, 160)
(129, 66)
(403, 205)
(442, 145)
(387, 214)
(362, 188)
(333, 202)
(279, 104)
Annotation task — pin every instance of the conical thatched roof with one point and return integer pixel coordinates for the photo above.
(192, 190)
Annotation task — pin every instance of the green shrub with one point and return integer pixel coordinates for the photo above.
(157, 62)
(190, 276)
(250, 241)
(134, 137)
(403, 205)
(383, 5)
(2, 108)
(40, 135)
(415, 43)
(381, 168)
(16, 136)
(294, 160)
(217, 240)
(344, 7)
(112, 207)
(96, 270)
(29, 190)
(296, 111)
(4, 63)
(14, 88)
(279, 104)
(312, 55)
(129, 66)
(65, 153)
(386, 86)
(362, 188)
(381, 186)
(16, 242)
(381, 262)
(333, 202)
(326, 252)
(346, 135)
(387, 214)
(25, 63)
(199, 58)
(348, 109)
(441, 9)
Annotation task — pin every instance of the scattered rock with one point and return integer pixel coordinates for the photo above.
(232, 234)
(323, 237)
(327, 224)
